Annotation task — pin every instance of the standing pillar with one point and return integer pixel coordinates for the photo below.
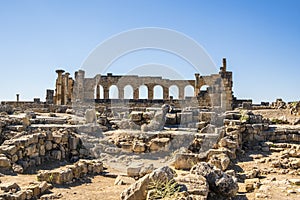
(70, 89)
(79, 85)
(18, 97)
(136, 93)
(59, 87)
(150, 91)
(165, 93)
(65, 88)
(105, 93)
(197, 84)
(98, 92)
(121, 92)
(181, 93)
(224, 65)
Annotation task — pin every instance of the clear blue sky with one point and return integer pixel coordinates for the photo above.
(260, 39)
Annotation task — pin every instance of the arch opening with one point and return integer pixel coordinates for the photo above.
(128, 92)
(143, 92)
(113, 92)
(188, 91)
(174, 91)
(158, 92)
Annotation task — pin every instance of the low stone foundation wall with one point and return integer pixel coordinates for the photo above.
(32, 191)
(32, 150)
(36, 107)
(71, 172)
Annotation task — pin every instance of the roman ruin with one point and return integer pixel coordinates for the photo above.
(67, 90)
(82, 143)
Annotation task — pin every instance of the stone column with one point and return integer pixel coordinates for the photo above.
(197, 84)
(165, 93)
(78, 86)
(136, 93)
(65, 88)
(59, 86)
(150, 91)
(70, 89)
(105, 92)
(121, 91)
(180, 92)
(98, 91)
(18, 97)
(224, 65)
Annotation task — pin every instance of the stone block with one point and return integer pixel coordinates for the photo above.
(30, 150)
(138, 190)
(251, 184)
(186, 117)
(5, 162)
(48, 145)
(157, 144)
(10, 186)
(195, 184)
(44, 186)
(207, 116)
(20, 195)
(42, 150)
(139, 147)
(35, 188)
(73, 142)
(136, 116)
(134, 169)
(147, 115)
(17, 168)
(57, 138)
(56, 154)
(185, 161)
(90, 116)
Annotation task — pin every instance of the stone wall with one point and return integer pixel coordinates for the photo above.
(242, 131)
(34, 190)
(13, 106)
(81, 88)
(32, 150)
(70, 173)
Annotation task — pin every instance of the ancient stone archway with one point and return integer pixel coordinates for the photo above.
(70, 90)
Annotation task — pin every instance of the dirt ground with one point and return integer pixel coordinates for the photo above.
(272, 186)
(88, 188)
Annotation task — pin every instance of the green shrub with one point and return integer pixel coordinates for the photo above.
(244, 118)
(162, 189)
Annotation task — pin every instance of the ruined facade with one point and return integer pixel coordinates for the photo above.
(63, 89)
(217, 94)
